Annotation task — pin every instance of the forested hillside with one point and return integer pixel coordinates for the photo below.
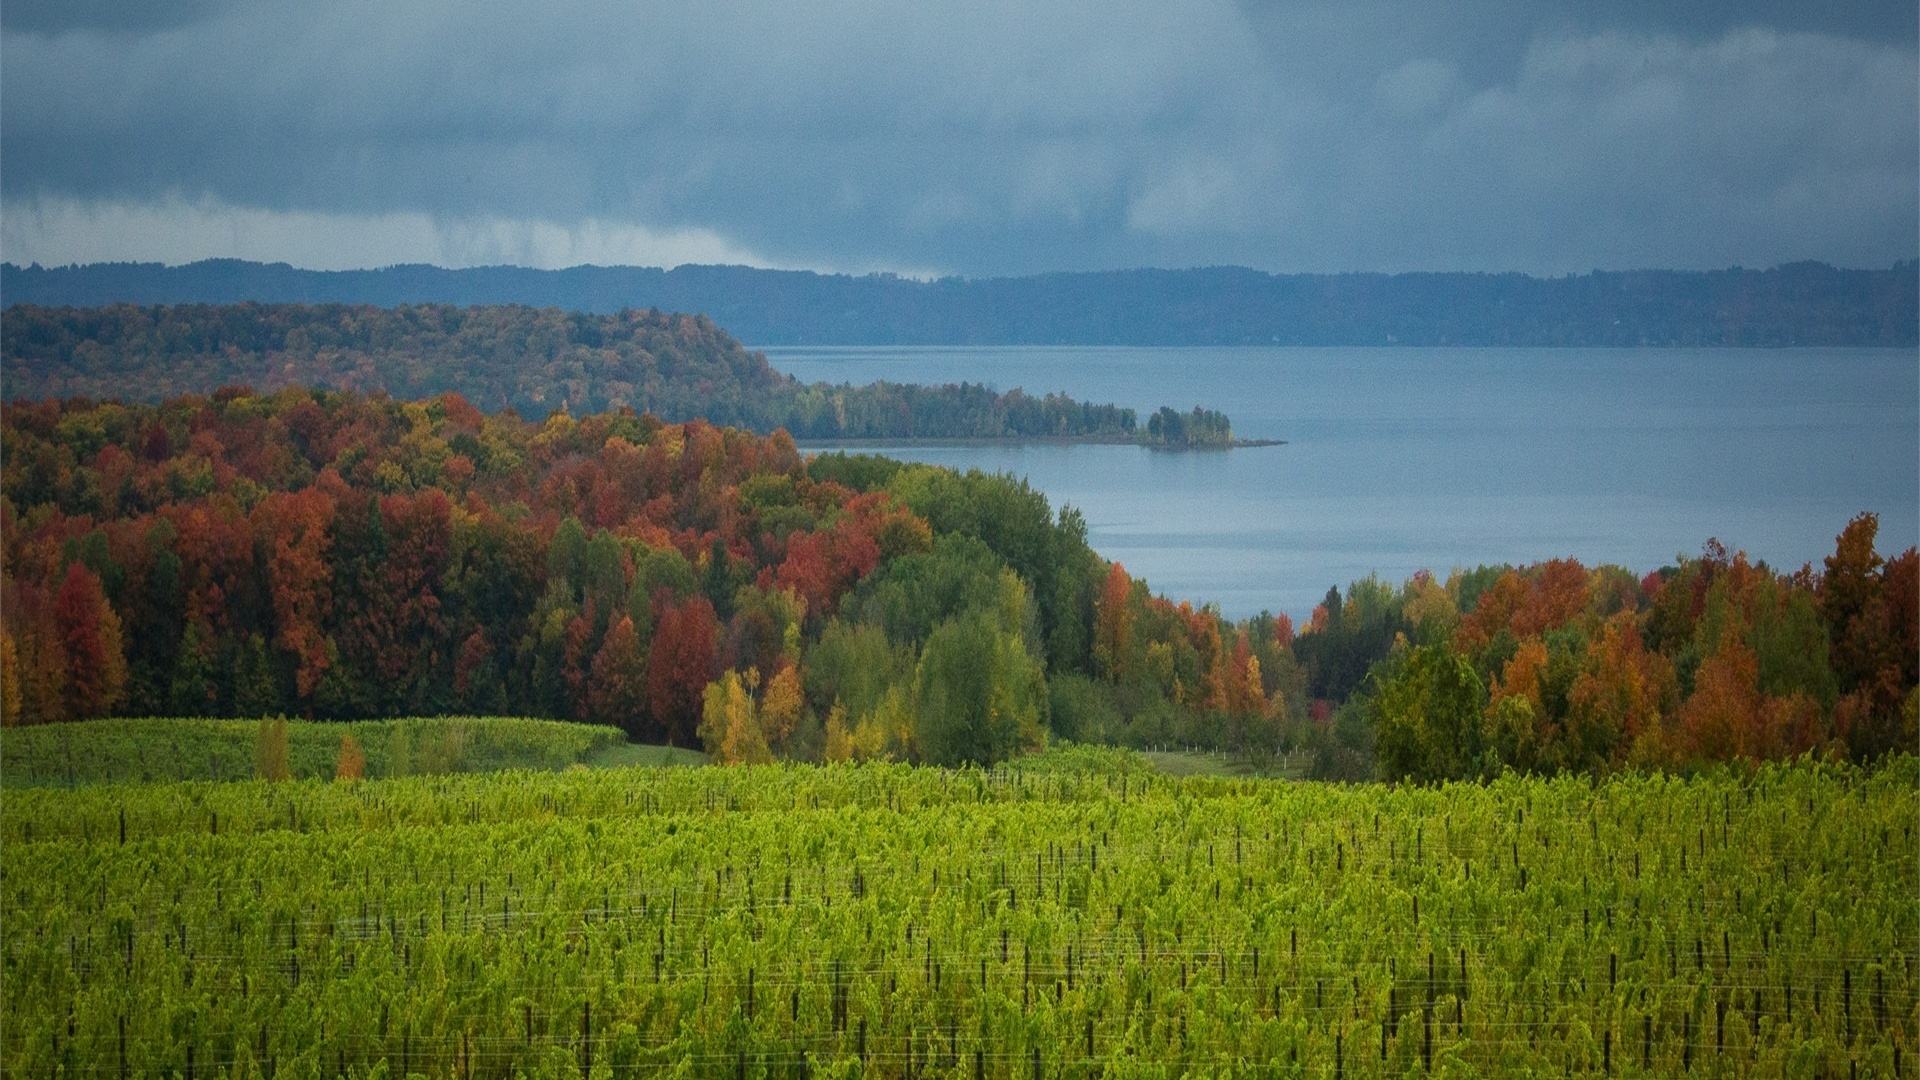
(1804, 303)
(679, 367)
(337, 555)
(346, 556)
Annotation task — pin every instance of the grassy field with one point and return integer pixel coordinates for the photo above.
(150, 750)
(1078, 914)
(1206, 763)
(629, 755)
(159, 750)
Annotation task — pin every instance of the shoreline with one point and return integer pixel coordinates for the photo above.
(1022, 440)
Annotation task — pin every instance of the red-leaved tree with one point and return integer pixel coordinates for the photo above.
(90, 634)
(680, 666)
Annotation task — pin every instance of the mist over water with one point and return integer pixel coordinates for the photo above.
(1403, 459)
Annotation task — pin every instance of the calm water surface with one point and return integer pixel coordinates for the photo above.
(1403, 459)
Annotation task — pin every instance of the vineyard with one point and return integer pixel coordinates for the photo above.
(880, 920)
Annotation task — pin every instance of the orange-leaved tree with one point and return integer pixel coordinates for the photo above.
(617, 683)
(1113, 624)
(90, 640)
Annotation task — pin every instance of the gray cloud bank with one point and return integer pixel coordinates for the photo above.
(988, 138)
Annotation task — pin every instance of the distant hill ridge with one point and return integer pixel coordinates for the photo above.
(678, 367)
(1803, 303)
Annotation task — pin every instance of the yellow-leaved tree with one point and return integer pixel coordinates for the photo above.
(729, 724)
(780, 705)
(839, 742)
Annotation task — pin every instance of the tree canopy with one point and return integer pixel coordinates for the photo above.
(340, 555)
(534, 360)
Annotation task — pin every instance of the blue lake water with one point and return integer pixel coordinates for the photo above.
(1403, 459)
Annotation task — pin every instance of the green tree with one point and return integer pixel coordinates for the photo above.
(913, 593)
(979, 693)
(852, 665)
(603, 579)
(192, 690)
(1017, 524)
(1428, 716)
(543, 653)
(657, 570)
(1790, 640)
(1354, 635)
(567, 556)
(255, 689)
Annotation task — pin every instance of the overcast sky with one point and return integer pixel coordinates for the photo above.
(994, 137)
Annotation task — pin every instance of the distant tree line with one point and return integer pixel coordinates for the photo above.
(1559, 667)
(1805, 303)
(534, 360)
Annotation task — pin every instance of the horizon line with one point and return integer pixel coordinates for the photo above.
(887, 275)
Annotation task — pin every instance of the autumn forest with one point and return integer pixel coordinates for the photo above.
(678, 367)
(335, 554)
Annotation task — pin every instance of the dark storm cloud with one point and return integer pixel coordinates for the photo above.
(1895, 23)
(57, 16)
(992, 138)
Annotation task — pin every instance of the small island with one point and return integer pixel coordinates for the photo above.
(1166, 429)
(1201, 429)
